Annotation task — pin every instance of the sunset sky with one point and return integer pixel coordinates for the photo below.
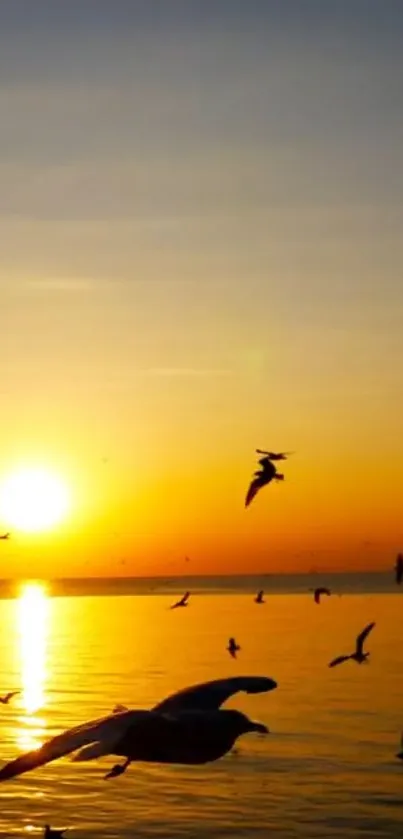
(201, 253)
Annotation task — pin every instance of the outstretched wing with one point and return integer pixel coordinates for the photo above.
(256, 484)
(339, 660)
(182, 602)
(109, 730)
(362, 636)
(319, 592)
(10, 695)
(211, 695)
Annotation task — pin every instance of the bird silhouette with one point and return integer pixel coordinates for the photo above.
(318, 592)
(182, 602)
(50, 832)
(188, 727)
(5, 699)
(359, 656)
(259, 597)
(399, 568)
(233, 648)
(5, 536)
(265, 475)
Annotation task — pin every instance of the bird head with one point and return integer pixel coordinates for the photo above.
(241, 724)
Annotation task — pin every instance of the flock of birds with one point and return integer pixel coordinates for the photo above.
(190, 726)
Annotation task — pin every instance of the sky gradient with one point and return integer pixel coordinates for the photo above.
(201, 254)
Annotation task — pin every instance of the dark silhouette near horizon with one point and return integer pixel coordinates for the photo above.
(188, 727)
(5, 536)
(184, 601)
(233, 648)
(265, 475)
(399, 568)
(400, 754)
(359, 656)
(259, 597)
(52, 833)
(6, 699)
(318, 593)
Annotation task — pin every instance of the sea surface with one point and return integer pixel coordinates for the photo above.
(328, 767)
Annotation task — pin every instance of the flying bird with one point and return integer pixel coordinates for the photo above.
(399, 568)
(5, 699)
(51, 833)
(233, 648)
(359, 656)
(259, 597)
(265, 475)
(5, 536)
(182, 602)
(319, 591)
(189, 727)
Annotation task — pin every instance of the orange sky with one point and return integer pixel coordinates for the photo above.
(201, 220)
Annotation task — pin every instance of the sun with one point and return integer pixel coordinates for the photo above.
(33, 500)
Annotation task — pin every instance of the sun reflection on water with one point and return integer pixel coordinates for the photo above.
(33, 608)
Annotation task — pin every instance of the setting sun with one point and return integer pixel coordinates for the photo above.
(33, 500)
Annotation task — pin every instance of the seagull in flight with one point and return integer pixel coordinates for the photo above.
(359, 656)
(182, 602)
(189, 727)
(5, 536)
(266, 474)
(319, 591)
(5, 699)
(233, 648)
(399, 568)
(259, 597)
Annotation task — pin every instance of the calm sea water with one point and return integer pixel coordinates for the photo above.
(328, 768)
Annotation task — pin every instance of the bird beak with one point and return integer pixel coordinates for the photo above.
(258, 726)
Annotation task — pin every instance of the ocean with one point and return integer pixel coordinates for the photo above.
(327, 769)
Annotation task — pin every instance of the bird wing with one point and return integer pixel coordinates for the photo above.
(339, 660)
(211, 695)
(109, 729)
(362, 636)
(255, 485)
(319, 592)
(10, 695)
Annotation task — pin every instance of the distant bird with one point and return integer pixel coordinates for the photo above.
(318, 592)
(359, 656)
(182, 602)
(5, 536)
(400, 754)
(233, 648)
(265, 475)
(5, 699)
(51, 833)
(259, 597)
(187, 728)
(399, 568)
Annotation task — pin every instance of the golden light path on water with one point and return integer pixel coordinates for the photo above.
(32, 617)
